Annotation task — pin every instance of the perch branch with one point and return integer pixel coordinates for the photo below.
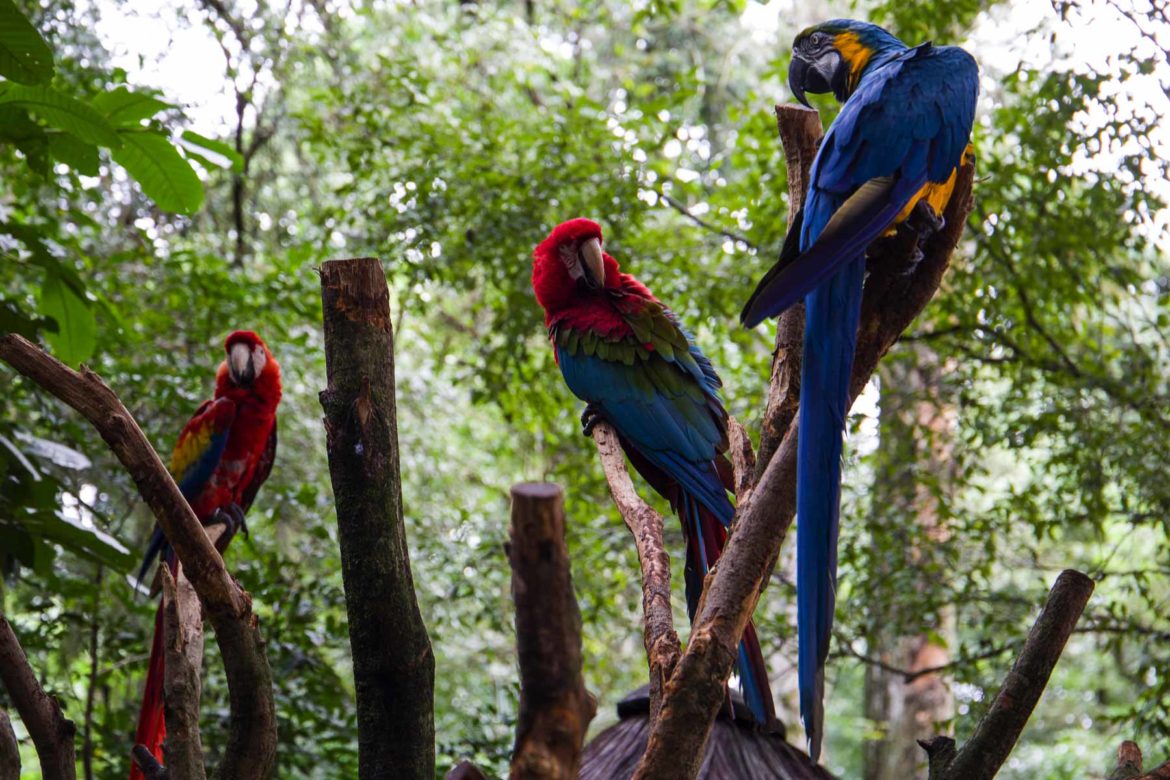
(895, 292)
(555, 708)
(393, 664)
(983, 754)
(51, 732)
(663, 648)
(251, 745)
(800, 133)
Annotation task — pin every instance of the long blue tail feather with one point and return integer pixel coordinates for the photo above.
(830, 337)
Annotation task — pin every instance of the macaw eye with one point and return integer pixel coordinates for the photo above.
(818, 39)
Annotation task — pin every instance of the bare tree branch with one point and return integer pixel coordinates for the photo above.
(9, 750)
(896, 291)
(52, 733)
(393, 664)
(1129, 762)
(149, 765)
(183, 624)
(984, 753)
(251, 744)
(555, 707)
(663, 648)
(800, 133)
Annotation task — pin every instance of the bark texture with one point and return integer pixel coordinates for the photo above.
(984, 753)
(555, 707)
(393, 664)
(250, 752)
(663, 648)
(52, 733)
(183, 623)
(9, 750)
(896, 290)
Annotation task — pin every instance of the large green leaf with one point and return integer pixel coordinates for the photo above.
(78, 155)
(63, 112)
(76, 334)
(17, 128)
(24, 55)
(165, 176)
(124, 108)
(222, 155)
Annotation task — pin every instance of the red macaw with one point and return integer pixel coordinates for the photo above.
(625, 354)
(221, 459)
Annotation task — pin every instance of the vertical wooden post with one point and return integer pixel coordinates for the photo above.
(555, 708)
(393, 665)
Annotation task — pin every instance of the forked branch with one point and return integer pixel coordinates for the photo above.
(897, 289)
(251, 745)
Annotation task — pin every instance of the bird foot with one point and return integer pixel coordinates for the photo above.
(231, 515)
(923, 222)
(590, 417)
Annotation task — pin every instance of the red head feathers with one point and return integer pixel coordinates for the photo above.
(569, 265)
(249, 369)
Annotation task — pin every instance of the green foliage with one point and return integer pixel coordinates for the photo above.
(448, 139)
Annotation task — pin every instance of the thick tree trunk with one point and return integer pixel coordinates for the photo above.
(916, 438)
(393, 665)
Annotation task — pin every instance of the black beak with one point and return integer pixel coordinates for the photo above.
(797, 73)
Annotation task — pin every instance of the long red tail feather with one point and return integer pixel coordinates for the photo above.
(152, 728)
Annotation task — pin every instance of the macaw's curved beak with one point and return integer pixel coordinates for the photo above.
(796, 75)
(593, 262)
(815, 76)
(240, 364)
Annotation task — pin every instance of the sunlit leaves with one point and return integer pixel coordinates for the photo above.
(165, 177)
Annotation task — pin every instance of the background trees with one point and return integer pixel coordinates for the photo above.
(447, 138)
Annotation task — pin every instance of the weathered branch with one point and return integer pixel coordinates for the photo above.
(393, 664)
(1129, 762)
(800, 133)
(663, 648)
(743, 459)
(555, 707)
(9, 750)
(183, 624)
(895, 292)
(997, 732)
(52, 733)
(251, 745)
(145, 761)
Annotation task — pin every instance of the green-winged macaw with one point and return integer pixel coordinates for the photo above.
(899, 139)
(625, 354)
(222, 457)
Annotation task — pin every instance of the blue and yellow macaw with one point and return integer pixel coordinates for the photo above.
(899, 140)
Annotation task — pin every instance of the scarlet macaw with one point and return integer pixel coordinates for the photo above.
(624, 353)
(899, 139)
(221, 459)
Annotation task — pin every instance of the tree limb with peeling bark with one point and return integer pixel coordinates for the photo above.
(250, 751)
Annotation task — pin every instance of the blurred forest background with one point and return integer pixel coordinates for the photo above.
(179, 171)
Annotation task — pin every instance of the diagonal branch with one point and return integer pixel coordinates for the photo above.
(51, 732)
(662, 644)
(984, 753)
(251, 746)
(896, 291)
